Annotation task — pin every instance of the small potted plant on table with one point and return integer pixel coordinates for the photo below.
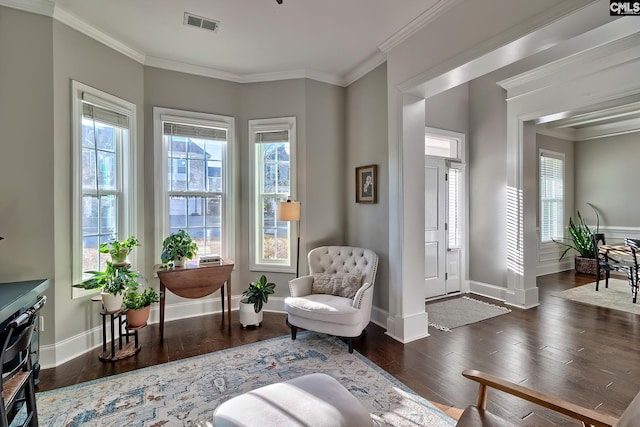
(254, 298)
(178, 247)
(138, 305)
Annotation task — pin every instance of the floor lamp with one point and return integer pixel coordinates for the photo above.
(290, 211)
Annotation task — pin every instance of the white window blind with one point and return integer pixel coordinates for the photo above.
(455, 208)
(551, 195)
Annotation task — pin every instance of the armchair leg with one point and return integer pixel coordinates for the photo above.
(294, 331)
(350, 344)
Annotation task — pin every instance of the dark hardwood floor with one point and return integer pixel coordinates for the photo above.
(587, 355)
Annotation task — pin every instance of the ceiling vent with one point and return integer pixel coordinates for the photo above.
(200, 22)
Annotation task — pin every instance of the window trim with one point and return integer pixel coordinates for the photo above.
(128, 180)
(261, 125)
(161, 114)
(458, 136)
(559, 156)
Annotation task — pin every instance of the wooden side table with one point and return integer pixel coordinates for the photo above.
(195, 281)
(122, 351)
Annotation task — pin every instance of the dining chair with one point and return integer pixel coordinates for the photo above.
(633, 273)
(17, 383)
(602, 263)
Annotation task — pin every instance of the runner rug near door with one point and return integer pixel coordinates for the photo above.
(185, 391)
(453, 313)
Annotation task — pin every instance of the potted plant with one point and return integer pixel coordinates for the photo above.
(119, 249)
(254, 297)
(138, 305)
(113, 282)
(177, 247)
(580, 241)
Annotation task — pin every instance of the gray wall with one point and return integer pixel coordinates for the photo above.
(487, 177)
(449, 110)
(606, 176)
(367, 224)
(26, 171)
(78, 57)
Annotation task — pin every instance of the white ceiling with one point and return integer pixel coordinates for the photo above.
(330, 40)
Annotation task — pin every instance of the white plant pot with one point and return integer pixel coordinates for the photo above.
(111, 302)
(248, 316)
(179, 262)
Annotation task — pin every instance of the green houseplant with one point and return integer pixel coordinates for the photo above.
(113, 282)
(119, 249)
(177, 247)
(579, 240)
(138, 305)
(254, 298)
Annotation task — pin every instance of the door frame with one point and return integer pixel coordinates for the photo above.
(458, 163)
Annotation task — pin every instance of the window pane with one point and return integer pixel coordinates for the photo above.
(107, 170)
(108, 215)
(455, 205)
(269, 178)
(195, 164)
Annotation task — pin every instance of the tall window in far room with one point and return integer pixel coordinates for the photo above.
(194, 179)
(272, 154)
(103, 176)
(551, 195)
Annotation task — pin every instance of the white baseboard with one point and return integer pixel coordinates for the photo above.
(379, 316)
(56, 354)
(488, 290)
(556, 267)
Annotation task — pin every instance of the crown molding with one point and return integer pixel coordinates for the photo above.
(369, 64)
(417, 24)
(41, 7)
(631, 110)
(71, 20)
(600, 57)
(293, 74)
(182, 67)
(607, 130)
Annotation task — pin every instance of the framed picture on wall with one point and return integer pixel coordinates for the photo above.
(367, 184)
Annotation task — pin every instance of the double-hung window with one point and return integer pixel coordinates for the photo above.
(551, 195)
(194, 179)
(103, 175)
(272, 154)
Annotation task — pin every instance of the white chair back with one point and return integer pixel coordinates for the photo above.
(344, 259)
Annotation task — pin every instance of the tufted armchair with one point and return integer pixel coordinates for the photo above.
(345, 312)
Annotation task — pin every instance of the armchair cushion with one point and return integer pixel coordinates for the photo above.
(342, 285)
(324, 308)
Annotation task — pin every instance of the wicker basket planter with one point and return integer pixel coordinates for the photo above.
(586, 265)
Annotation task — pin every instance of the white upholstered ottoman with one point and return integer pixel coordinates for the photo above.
(310, 400)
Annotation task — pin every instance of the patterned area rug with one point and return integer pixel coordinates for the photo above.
(616, 296)
(453, 313)
(186, 392)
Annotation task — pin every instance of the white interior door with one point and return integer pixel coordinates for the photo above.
(435, 247)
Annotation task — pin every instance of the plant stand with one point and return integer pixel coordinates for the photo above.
(122, 350)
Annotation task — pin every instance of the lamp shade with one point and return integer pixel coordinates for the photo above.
(289, 211)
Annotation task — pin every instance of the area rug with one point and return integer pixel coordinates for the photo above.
(186, 392)
(616, 296)
(453, 313)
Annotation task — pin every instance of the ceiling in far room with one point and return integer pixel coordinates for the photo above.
(335, 41)
(617, 117)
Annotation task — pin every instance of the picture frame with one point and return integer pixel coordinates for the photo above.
(367, 184)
